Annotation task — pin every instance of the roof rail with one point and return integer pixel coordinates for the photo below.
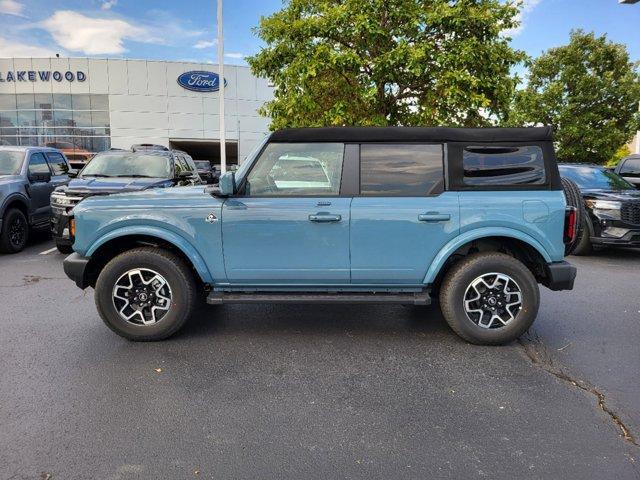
(148, 146)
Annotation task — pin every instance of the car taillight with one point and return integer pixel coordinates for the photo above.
(570, 227)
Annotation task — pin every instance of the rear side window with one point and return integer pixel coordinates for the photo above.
(403, 170)
(499, 166)
(57, 163)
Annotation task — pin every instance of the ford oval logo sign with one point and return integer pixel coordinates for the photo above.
(200, 81)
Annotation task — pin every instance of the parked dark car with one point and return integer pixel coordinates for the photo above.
(629, 169)
(208, 172)
(28, 175)
(117, 171)
(612, 208)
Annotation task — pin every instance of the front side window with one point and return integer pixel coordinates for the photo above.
(10, 162)
(57, 163)
(401, 170)
(631, 167)
(499, 166)
(38, 164)
(297, 169)
(127, 164)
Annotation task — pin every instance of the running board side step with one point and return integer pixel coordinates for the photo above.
(219, 298)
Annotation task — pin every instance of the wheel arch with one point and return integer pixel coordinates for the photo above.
(517, 244)
(119, 241)
(15, 201)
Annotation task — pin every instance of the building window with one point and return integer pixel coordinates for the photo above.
(77, 124)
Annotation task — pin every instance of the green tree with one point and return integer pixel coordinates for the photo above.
(588, 91)
(388, 62)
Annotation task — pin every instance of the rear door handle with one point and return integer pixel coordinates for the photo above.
(324, 217)
(433, 217)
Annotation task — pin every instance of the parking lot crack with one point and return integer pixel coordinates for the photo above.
(539, 355)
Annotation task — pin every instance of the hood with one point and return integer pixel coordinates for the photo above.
(617, 195)
(151, 199)
(4, 179)
(99, 185)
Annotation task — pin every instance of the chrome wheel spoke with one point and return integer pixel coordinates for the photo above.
(142, 296)
(492, 300)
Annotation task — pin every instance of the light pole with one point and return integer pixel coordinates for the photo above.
(223, 146)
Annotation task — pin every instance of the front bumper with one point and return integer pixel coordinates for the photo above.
(75, 267)
(560, 276)
(629, 239)
(60, 229)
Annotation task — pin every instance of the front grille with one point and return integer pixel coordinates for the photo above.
(630, 212)
(62, 204)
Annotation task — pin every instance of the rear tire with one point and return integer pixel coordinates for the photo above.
(15, 231)
(458, 287)
(178, 292)
(62, 248)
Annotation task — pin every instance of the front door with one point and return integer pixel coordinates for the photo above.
(289, 225)
(39, 190)
(403, 216)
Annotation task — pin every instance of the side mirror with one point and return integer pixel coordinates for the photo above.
(40, 177)
(227, 184)
(72, 173)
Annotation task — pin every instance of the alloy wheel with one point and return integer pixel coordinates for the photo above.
(492, 300)
(142, 296)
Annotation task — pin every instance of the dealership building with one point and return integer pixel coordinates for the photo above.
(85, 105)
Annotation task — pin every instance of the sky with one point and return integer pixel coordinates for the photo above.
(185, 29)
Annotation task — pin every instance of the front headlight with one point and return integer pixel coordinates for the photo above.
(605, 208)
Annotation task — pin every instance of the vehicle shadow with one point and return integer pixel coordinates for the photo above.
(315, 320)
(36, 237)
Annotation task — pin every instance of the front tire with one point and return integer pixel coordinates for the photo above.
(489, 298)
(15, 231)
(145, 294)
(62, 248)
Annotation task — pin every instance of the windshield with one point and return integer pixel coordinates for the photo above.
(203, 164)
(127, 164)
(10, 162)
(593, 178)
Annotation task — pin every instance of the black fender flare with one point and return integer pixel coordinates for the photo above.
(15, 197)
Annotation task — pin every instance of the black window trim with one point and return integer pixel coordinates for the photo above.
(50, 162)
(46, 160)
(456, 167)
(443, 184)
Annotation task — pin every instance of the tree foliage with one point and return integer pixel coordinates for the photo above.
(388, 62)
(589, 91)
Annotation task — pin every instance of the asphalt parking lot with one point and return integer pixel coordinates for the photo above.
(308, 392)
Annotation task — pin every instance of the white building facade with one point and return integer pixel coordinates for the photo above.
(85, 105)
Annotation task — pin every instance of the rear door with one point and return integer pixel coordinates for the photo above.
(289, 225)
(403, 215)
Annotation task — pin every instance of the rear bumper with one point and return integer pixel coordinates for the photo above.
(75, 267)
(560, 276)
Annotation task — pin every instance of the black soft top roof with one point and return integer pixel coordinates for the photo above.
(412, 134)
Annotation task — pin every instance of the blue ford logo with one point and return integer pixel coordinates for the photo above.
(200, 81)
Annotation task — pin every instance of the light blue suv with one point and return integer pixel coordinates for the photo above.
(474, 217)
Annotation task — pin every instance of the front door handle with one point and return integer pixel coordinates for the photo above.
(433, 217)
(324, 217)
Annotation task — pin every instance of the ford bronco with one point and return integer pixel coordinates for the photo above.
(476, 218)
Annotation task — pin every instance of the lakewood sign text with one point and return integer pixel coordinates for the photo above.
(42, 76)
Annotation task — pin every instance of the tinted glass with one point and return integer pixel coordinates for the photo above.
(489, 166)
(38, 164)
(57, 163)
(631, 167)
(593, 178)
(10, 162)
(127, 164)
(401, 170)
(297, 169)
